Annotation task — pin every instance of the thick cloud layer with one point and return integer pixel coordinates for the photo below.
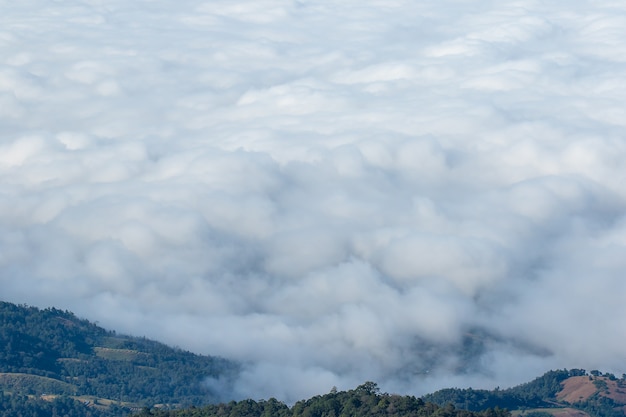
(415, 193)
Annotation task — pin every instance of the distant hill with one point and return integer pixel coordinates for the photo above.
(51, 358)
(558, 393)
(363, 401)
(561, 393)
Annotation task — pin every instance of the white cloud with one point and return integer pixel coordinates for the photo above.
(347, 192)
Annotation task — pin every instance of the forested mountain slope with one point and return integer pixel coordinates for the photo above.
(597, 394)
(560, 393)
(46, 354)
(364, 401)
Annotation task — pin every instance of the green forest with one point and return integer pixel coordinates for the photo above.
(541, 393)
(18, 405)
(364, 401)
(53, 352)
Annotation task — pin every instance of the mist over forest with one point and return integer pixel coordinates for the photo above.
(434, 189)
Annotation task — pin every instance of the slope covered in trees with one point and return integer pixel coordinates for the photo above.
(542, 397)
(599, 395)
(55, 353)
(22, 405)
(364, 401)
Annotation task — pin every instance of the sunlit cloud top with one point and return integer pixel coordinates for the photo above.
(420, 194)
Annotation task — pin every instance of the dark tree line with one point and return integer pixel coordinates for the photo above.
(364, 401)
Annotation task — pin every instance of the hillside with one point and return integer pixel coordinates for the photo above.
(363, 401)
(49, 354)
(583, 388)
(556, 393)
(560, 393)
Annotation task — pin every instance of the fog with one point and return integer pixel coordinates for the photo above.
(421, 194)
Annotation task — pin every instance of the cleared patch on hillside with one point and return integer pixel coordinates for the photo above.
(617, 392)
(105, 403)
(580, 388)
(118, 354)
(74, 360)
(556, 412)
(25, 383)
(568, 412)
(575, 389)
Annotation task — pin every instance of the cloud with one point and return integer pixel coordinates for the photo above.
(416, 194)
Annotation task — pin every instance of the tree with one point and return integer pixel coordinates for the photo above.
(369, 388)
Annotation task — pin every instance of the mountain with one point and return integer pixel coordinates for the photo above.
(53, 363)
(51, 358)
(363, 401)
(561, 393)
(558, 393)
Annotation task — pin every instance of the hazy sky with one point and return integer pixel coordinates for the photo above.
(417, 193)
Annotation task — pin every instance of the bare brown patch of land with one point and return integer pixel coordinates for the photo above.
(556, 412)
(576, 388)
(617, 392)
(568, 412)
(580, 388)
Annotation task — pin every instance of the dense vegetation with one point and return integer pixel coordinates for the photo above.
(24, 406)
(53, 352)
(539, 393)
(364, 401)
